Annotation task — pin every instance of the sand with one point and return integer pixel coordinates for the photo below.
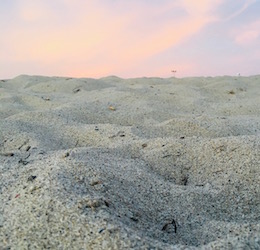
(144, 163)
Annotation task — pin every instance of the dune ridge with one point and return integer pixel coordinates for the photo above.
(145, 163)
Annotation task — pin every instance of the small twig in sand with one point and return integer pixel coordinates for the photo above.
(7, 154)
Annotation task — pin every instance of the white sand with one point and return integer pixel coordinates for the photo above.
(143, 163)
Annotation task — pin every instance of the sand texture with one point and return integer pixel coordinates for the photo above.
(145, 163)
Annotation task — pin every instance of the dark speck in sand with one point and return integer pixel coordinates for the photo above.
(76, 90)
(31, 178)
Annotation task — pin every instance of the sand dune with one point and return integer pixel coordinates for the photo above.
(145, 163)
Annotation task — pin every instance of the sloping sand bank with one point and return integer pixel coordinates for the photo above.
(144, 163)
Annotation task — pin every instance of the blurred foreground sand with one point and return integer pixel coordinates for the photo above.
(145, 163)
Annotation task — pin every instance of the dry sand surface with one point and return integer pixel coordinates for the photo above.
(145, 163)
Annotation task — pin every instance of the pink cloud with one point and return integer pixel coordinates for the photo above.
(247, 35)
(33, 11)
(97, 38)
(201, 7)
(111, 39)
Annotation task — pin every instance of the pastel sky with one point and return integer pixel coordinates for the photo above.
(129, 38)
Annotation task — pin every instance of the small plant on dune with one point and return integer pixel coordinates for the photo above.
(174, 72)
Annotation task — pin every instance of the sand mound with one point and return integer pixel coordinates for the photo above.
(143, 163)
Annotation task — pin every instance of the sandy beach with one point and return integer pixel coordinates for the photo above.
(143, 163)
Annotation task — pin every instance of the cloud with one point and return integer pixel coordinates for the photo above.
(103, 37)
(240, 10)
(125, 32)
(247, 34)
(33, 11)
(201, 7)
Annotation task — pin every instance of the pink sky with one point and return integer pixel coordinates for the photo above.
(96, 38)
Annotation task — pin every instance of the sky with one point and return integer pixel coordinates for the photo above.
(129, 38)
